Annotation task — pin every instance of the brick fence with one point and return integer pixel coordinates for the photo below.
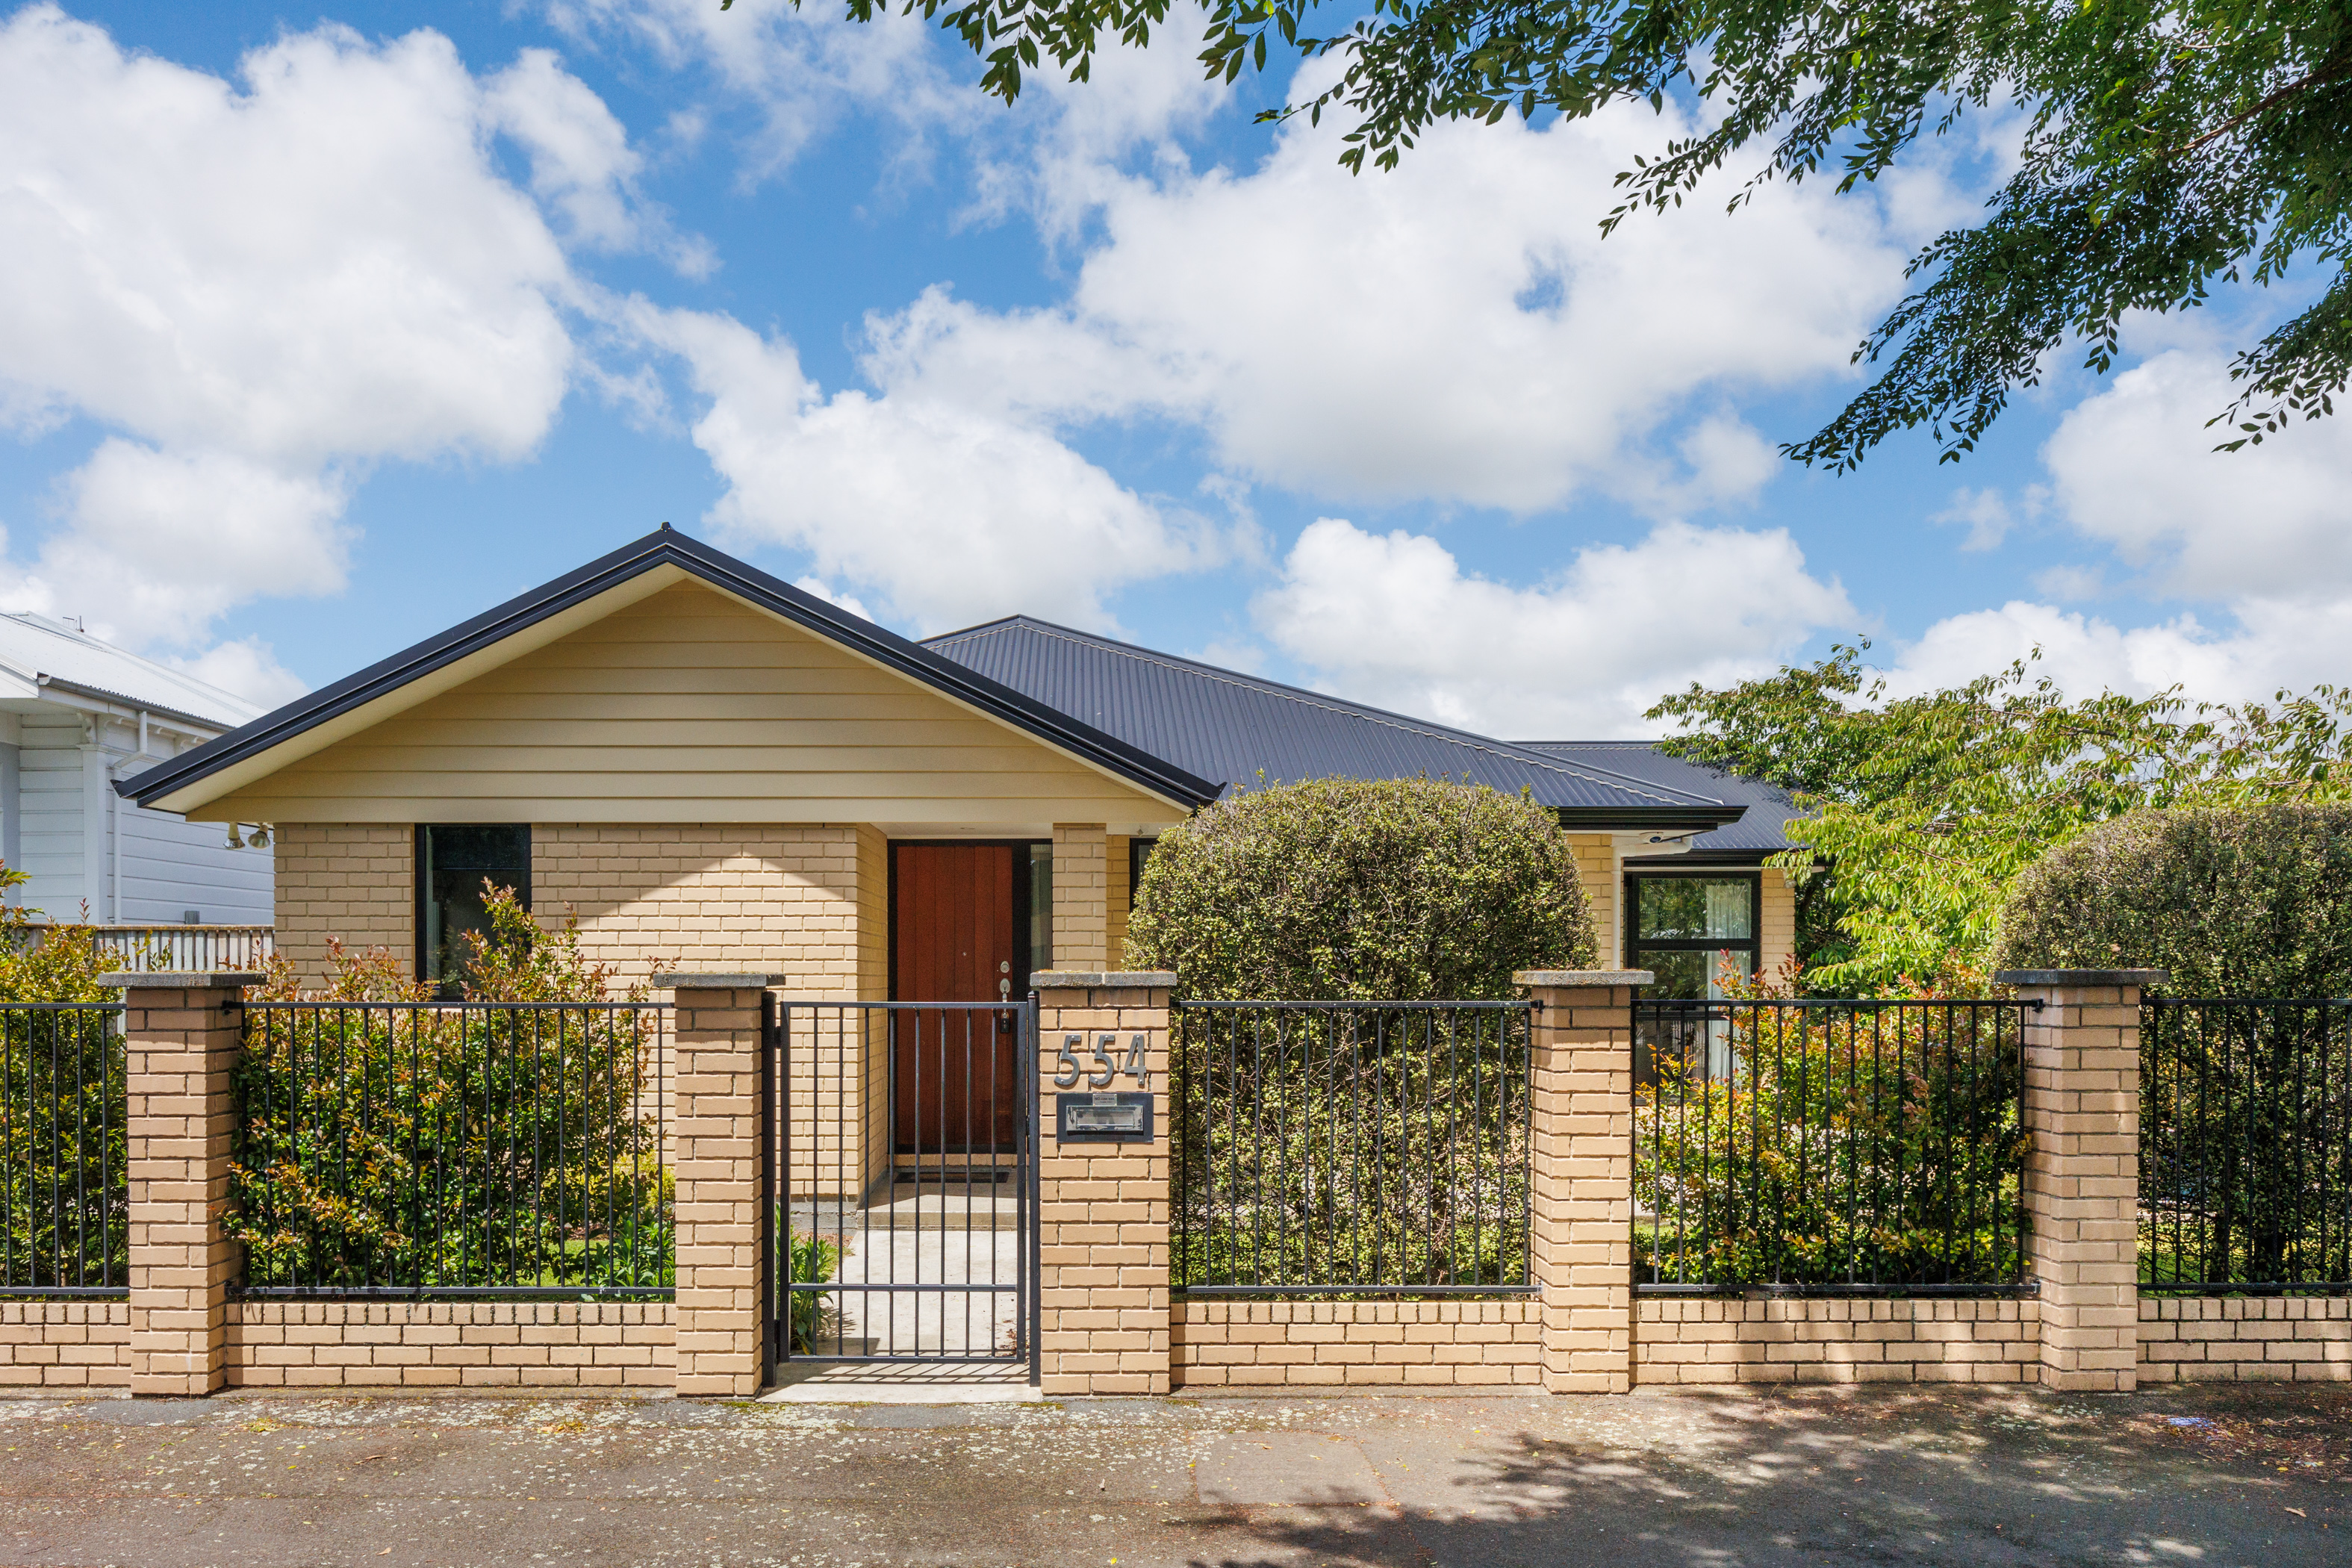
(1110, 1324)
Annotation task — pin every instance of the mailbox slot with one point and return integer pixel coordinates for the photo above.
(1120, 1118)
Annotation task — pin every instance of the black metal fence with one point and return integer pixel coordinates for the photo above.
(2245, 1165)
(1329, 1148)
(1832, 1147)
(431, 1149)
(65, 1185)
(904, 1180)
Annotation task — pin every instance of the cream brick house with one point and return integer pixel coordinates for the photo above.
(713, 768)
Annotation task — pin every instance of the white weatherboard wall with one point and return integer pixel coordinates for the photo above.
(76, 716)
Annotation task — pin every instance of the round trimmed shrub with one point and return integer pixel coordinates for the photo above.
(1340, 889)
(2255, 902)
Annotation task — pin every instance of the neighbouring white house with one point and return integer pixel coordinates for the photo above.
(79, 714)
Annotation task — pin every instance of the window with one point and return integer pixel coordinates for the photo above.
(1689, 929)
(452, 863)
(1139, 850)
(1040, 907)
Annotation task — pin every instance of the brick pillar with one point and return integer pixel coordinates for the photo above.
(2082, 1171)
(182, 1035)
(1081, 898)
(1581, 1250)
(723, 1233)
(1102, 1207)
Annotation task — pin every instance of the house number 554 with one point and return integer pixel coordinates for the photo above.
(1108, 1064)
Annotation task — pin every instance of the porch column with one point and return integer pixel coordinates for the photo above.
(2082, 1170)
(723, 1233)
(1582, 1247)
(1102, 1207)
(1081, 898)
(181, 1034)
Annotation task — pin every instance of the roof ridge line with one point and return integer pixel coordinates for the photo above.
(1316, 699)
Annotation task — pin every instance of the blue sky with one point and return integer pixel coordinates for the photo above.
(321, 329)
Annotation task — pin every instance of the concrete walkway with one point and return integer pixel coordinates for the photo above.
(2216, 1477)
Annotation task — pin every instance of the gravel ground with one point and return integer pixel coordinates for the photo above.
(2215, 1476)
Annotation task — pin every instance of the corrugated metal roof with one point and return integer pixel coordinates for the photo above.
(1230, 728)
(37, 646)
(1759, 833)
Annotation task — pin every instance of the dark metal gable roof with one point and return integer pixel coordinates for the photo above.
(1228, 726)
(1763, 831)
(698, 560)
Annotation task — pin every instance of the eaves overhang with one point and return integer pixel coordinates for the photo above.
(249, 742)
(1696, 818)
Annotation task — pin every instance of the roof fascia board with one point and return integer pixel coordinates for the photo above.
(399, 696)
(1602, 818)
(643, 566)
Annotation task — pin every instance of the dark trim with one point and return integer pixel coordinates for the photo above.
(667, 548)
(1629, 818)
(1731, 860)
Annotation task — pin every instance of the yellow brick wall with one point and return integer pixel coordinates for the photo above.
(1356, 1344)
(451, 1344)
(65, 1344)
(1080, 889)
(1598, 868)
(723, 898)
(348, 881)
(1785, 1340)
(1118, 868)
(1777, 922)
(1103, 1214)
(2245, 1339)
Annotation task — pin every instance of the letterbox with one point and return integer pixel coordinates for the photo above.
(1124, 1117)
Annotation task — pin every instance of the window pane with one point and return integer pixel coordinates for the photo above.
(1684, 974)
(1041, 907)
(1694, 909)
(455, 860)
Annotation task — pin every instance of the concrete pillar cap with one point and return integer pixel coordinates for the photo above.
(1101, 979)
(1556, 977)
(2139, 977)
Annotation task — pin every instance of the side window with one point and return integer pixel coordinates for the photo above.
(1689, 928)
(453, 861)
(1040, 905)
(1139, 850)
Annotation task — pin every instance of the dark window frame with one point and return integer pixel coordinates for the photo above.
(1139, 850)
(421, 880)
(1635, 944)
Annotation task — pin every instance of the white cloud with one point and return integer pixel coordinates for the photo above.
(1986, 513)
(1394, 620)
(801, 70)
(949, 514)
(1458, 330)
(2276, 643)
(2133, 466)
(247, 668)
(259, 289)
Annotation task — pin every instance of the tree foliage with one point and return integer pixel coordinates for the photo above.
(1336, 889)
(1926, 808)
(2251, 902)
(2164, 147)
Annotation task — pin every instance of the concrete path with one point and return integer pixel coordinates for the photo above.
(2215, 1477)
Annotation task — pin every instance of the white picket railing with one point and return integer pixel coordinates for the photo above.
(180, 949)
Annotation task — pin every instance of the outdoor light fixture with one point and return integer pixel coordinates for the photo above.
(235, 840)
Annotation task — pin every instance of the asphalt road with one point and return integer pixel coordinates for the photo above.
(2211, 1477)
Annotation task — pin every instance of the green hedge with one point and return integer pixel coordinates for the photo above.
(1341, 889)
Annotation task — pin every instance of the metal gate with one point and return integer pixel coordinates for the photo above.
(902, 1181)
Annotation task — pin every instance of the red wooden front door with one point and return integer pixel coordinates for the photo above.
(956, 1074)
